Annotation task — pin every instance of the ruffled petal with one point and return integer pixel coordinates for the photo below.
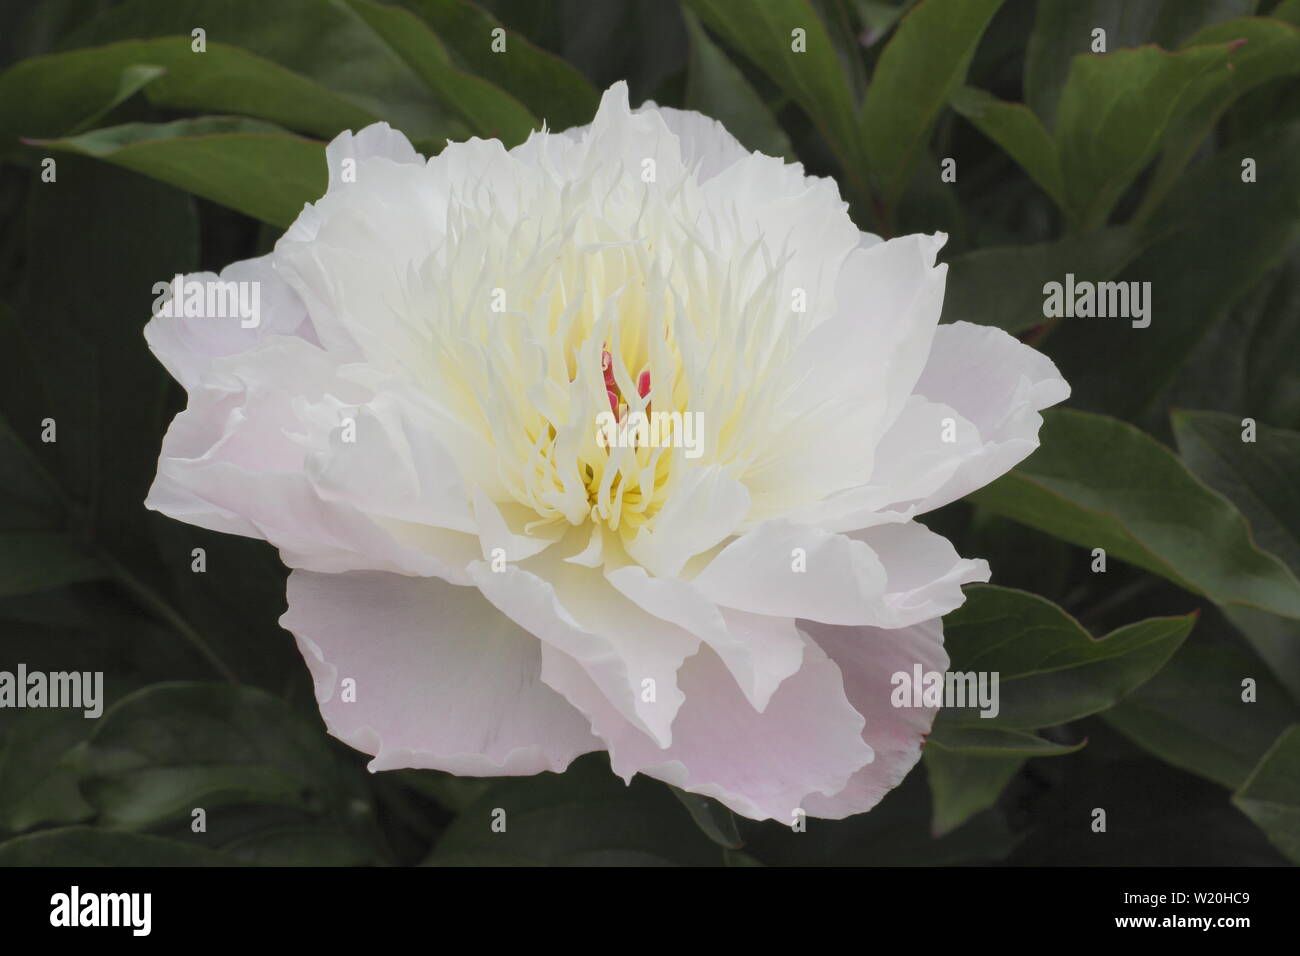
(243, 456)
(868, 658)
(887, 576)
(188, 345)
(762, 765)
(631, 657)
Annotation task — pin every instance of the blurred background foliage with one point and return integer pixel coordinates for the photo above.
(1121, 690)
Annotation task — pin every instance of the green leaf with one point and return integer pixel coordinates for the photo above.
(89, 846)
(487, 109)
(1245, 361)
(1050, 669)
(897, 832)
(1260, 50)
(1192, 715)
(46, 95)
(1114, 113)
(761, 30)
(130, 81)
(1217, 238)
(38, 785)
(1287, 11)
(93, 292)
(717, 88)
(920, 69)
(963, 785)
(250, 166)
(1258, 476)
(450, 791)
(972, 739)
(1275, 639)
(1002, 286)
(33, 561)
(301, 846)
(169, 748)
(1101, 483)
(969, 765)
(1271, 796)
(79, 628)
(879, 17)
(583, 817)
(548, 86)
(1063, 29)
(30, 503)
(714, 820)
(322, 40)
(1020, 134)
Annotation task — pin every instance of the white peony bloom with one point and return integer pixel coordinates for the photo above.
(415, 424)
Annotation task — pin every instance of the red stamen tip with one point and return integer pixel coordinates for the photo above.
(643, 383)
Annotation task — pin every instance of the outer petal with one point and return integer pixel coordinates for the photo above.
(239, 460)
(869, 657)
(702, 140)
(973, 416)
(888, 576)
(997, 384)
(443, 680)
(808, 740)
(187, 346)
(378, 141)
(924, 572)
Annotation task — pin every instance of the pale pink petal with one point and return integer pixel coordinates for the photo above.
(998, 385)
(187, 345)
(868, 657)
(761, 765)
(439, 678)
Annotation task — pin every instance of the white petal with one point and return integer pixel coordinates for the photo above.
(855, 371)
(705, 509)
(187, 346)
(392, 466)
(891, 575)
(701, 139)
(574, 610)
(376, 141)
(760, 651)
(844, 581)
(237, 460)
(441, 679)
(924, 572)
(997, 384)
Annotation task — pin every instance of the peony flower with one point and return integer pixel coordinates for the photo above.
(486, 581)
